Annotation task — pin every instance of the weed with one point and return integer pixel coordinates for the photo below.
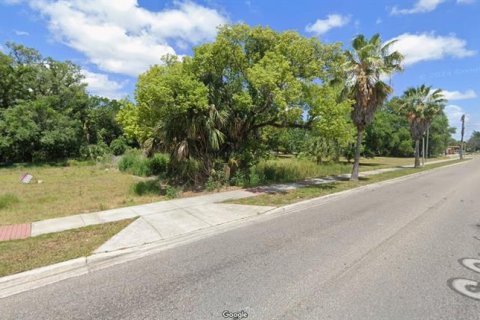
(146, 187)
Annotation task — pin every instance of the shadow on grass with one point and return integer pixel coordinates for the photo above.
(47, 164)
(306, 185)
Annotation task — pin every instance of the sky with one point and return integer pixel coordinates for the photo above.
(115, 41)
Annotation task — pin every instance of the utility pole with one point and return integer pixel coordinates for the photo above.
(428, 137)
(423, 151)
(463, 132)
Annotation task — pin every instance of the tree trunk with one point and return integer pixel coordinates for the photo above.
(417, 153)
(356, 162)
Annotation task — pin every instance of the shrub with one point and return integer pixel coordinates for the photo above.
(8, 199)
(137, 164)
(172, 192)
(217, 178)
(94, 151)
(246, 179)
(134, 163)
(158, 164)
(290, 170)
(118, 146)
(185, 171)
(146, 187)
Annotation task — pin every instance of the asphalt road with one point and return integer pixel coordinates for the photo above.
(389, 252)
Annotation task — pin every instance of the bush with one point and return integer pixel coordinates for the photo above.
(186, 171)
(137, 164)
(8, 199)
(146, 187)
(158, 164)
(134, 163)
(248, 179)
(172, 192)
(287, 170)
(118, 146)
(94, 151)
(217, 178)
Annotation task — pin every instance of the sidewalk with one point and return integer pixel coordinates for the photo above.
(166, 219)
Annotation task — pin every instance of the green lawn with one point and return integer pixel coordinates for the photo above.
(22, 255)
(64, 191)
(283, 198)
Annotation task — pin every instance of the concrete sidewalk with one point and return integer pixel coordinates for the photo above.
(182, 215)
(86, 219)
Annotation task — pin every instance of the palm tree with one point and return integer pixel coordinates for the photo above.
(420, 105)
(369, 61)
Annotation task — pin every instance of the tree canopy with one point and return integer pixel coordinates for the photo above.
(45, 111)
(216, 103)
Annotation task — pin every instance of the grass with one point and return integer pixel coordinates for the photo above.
(80, 187)
(22, 255)
(293, 169)
(283, 198)
(7, 200)
(66, 191)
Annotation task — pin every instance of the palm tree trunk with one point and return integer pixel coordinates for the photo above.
(356, 162)
(417, 153)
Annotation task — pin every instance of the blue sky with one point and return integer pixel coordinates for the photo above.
(114, 41)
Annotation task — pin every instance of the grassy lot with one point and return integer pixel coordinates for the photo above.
(292, 196)
(22, 255)
(68, 190)
(64, 191)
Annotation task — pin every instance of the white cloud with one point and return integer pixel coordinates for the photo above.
(21, 33)
(121, 36)
(428, 46)
(420, 6)
(322, 26)
(101, 85)
(457, 95)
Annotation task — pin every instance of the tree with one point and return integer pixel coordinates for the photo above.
(388, 134)
(216, 104)
(331, 130)
(366, 64)
(474, 141)
(45, 111)
(420, 105)
(34, 131)
(17, 74)
(440, 134)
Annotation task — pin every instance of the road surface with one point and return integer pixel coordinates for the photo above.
(389, 252)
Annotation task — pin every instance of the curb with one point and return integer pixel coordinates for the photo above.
(306, 204)
(36, 278)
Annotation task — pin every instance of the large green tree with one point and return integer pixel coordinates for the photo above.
(367, 62)
(215, 104)
(45, 111)
(420, 105)
(439, 135)
(388, 135)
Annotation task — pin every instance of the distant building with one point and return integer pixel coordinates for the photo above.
(452, 150)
